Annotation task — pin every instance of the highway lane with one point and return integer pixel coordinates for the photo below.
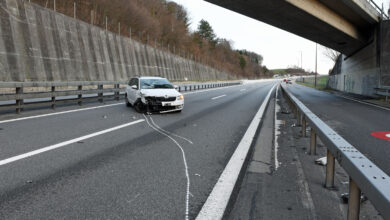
(132, 172)
(354, 121)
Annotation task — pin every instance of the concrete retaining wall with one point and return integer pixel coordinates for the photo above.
(37, 44)
(366, 70)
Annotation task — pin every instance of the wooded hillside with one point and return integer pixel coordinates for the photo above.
(165, 25)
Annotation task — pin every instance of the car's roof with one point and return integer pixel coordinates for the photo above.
(149, 77)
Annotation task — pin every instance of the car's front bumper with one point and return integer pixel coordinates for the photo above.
(164, 107)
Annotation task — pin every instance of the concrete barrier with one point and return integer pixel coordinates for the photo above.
(38, 44)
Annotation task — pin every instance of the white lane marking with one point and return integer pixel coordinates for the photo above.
(185, 166)
(384, 108)
(59, 113)
(170, 133)
(62, 144)
(218, 97)
(242, 90)
(216, 203)
(277, 129)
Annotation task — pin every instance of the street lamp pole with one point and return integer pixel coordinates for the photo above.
(315, 74)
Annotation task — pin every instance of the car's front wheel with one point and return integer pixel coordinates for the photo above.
(139, 107)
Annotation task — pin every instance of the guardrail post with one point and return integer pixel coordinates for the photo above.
(80, 96)
(179, 88)
(303, 126)
(53, 97)
(116, 86)
(19, 102)
(353, 201)
(100, 93)
(330, 164)
(185, 88)
(313, 142)
(299, 118)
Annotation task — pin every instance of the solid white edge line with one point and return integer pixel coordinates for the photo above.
(218, 97)
(62, 144)
(59, 113)
(276, 131)
(216, 203)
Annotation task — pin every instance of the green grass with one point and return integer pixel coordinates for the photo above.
(321, 82)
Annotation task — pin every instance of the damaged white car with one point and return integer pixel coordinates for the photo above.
(153, 94)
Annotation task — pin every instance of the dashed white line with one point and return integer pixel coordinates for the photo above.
(242, 90)
(218, 97)
(62, 144)
(185, 164)
(59, 113)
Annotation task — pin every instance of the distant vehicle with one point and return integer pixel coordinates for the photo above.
(153, 94)
(287, 81)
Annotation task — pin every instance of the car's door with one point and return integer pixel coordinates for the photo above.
(132, 90)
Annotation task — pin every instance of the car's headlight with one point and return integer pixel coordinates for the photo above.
(180, 97)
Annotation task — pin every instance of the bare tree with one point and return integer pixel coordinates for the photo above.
(331, 54)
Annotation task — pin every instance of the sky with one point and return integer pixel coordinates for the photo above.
(279, 48)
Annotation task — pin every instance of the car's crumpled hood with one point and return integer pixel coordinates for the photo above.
(160, 92)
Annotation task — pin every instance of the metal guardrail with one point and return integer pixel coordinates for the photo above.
(59, 92)
(364, 175)
(383, 91)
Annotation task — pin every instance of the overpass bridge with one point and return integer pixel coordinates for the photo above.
(356, 28)
(345, 26)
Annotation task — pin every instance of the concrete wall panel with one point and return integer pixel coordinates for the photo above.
(38, 44)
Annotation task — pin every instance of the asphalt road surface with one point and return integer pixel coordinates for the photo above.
(109, 162)
(354, 121)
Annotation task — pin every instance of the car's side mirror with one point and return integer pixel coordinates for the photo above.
(176, 87)
(134, 87)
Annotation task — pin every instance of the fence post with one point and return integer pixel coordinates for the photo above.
(54, 5)
(330, 163)
(53, 97)
(19, 102)
(313, 142)
(74, 10)
(80, 96)
(116, 86)
(353, 201)
(100, 92)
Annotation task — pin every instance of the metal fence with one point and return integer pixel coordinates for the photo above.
(20, 95)
(364, 175)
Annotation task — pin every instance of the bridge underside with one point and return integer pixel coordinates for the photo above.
(343, 25)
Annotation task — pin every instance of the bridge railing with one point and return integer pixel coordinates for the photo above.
(383, 14)
(20, 95)
(364, 175)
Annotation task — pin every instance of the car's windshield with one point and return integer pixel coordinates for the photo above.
(155, 84)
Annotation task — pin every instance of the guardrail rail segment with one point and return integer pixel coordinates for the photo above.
(364, 175)
(16, 96)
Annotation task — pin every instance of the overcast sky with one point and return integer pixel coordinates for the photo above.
(279, 48)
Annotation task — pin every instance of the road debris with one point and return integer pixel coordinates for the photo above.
(321, 161)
